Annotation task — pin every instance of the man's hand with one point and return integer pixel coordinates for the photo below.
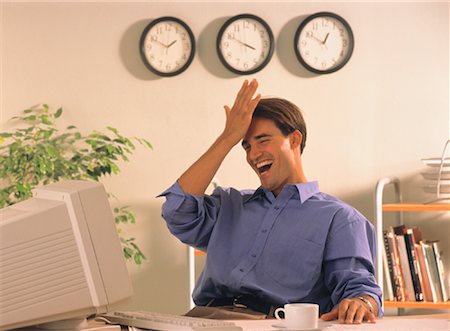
(239, 116)
(197, 177)
(351, 311)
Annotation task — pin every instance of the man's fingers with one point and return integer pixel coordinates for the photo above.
(342, 310)
(243, 88)
(245, 95)
(332, 315)
(360, 313)
(253, 103)
(370, 317)
(240, 95)
(350, 314)
(251, 90)
(354, 312)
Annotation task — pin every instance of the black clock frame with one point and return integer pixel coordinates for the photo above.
(350, 35)
(142, 46)
(271, 46)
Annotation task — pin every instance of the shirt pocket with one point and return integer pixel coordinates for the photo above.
(294, 263)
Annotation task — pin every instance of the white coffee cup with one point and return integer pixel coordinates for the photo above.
(299, 316)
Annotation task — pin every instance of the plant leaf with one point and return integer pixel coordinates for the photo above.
(58, 112)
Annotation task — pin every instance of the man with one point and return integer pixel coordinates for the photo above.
(286, 241)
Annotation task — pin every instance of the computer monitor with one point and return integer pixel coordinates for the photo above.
(60, 257)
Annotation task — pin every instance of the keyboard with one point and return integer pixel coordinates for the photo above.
(166, 322)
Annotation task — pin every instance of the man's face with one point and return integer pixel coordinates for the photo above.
(270, 154)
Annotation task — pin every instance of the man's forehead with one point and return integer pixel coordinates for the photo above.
(261, 126)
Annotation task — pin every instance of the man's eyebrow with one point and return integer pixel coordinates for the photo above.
(263, 135)
(258, 137)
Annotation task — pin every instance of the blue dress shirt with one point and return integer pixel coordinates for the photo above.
(301, 246)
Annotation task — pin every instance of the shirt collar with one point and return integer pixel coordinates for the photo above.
(305, 191)
(259, 193)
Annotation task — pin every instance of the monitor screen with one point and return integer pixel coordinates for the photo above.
(60, 256)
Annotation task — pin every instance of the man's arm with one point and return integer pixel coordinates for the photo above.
(198, 176)
(349, 269)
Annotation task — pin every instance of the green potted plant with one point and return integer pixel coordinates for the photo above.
(38, 153)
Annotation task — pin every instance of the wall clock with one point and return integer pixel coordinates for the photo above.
(167, 46)
(323, 42)
(245, 44)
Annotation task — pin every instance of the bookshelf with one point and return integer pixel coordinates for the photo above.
(416, 207)
(417, 305)
(400, 207)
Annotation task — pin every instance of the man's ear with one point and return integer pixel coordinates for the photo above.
(295, 139)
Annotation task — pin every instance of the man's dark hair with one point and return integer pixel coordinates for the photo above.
(286, 116)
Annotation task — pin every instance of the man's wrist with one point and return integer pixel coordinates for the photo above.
(227, 141)
(370, 302)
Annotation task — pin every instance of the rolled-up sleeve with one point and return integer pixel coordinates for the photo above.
(189, 217)
(349, 259)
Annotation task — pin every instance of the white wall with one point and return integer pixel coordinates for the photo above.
(378, 116)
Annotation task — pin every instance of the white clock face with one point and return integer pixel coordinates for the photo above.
(325, 43)
(245, 45)
(168, 47)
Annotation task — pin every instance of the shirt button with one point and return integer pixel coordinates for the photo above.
(264, 231)
(253, 255)
(276, 207)
(241, 270)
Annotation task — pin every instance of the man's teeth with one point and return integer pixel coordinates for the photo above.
(263, 163)
(263, 166)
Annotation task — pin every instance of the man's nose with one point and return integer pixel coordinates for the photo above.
(254, 153)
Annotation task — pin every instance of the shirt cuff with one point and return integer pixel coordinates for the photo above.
(377, 300)
(175, 189)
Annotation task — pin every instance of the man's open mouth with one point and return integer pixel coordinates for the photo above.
(263, 166)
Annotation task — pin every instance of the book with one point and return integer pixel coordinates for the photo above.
(388, 270)
(414, 265)
(404, 264)
(402, 231)
(434, 274)
(441, 271)
(425, 274)
(398, 285)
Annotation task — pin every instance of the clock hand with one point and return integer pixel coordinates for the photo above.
(244, 44)
(157, 41)
(326, 37)
(247, 45)
(173, 42)
(164, 45)
(314, 37)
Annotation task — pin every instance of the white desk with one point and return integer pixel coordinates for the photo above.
(439, 322)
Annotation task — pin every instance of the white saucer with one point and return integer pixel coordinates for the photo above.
(284, 327)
